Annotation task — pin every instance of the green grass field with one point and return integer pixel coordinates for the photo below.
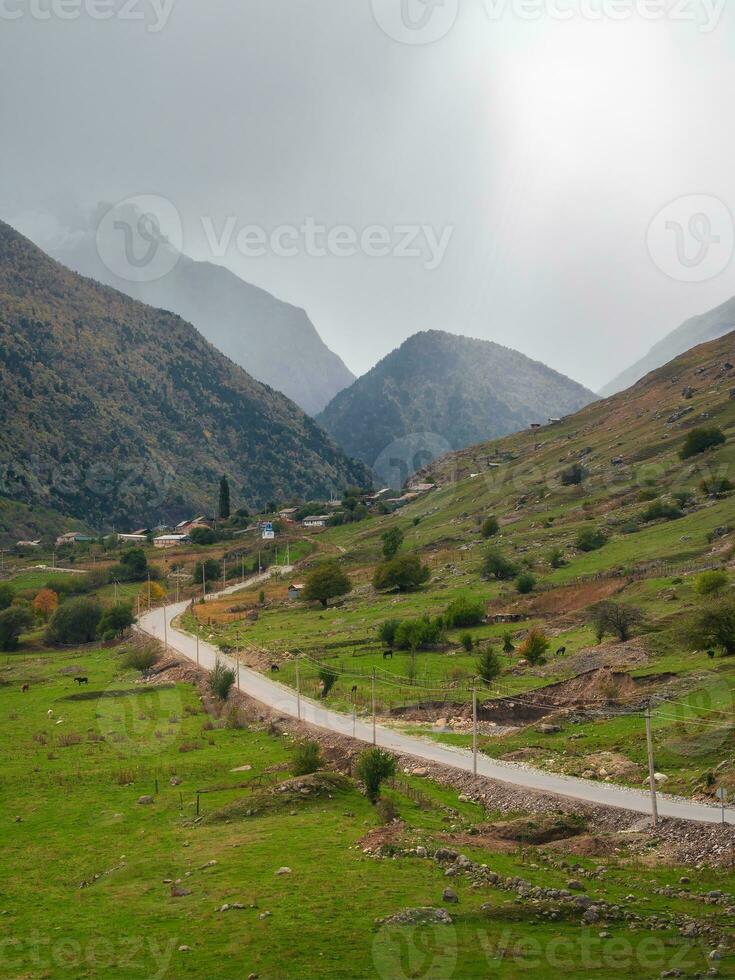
(85, 868)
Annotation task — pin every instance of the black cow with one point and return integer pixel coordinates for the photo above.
(81, 680)
(275, 669)
(561, 651)
(387, 654)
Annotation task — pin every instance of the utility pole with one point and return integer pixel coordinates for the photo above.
(197, 635)
(115, 583)
(298, 691)
(474, 730)
(204, 582)
(651, 767)
(375, 734)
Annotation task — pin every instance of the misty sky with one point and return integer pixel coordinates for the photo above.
(547, 147)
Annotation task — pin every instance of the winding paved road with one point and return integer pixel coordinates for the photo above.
(285, 700)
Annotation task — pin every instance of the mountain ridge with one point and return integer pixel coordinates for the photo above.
(274, 341)
(696, 330)
(114, 410)
(440, 391)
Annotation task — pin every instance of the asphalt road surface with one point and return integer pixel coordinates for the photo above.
(285, 700)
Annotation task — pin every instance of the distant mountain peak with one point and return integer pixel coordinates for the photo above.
(272, 340)
(439, 392)
(697, 330)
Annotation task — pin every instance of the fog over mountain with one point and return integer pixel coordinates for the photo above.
(698, 330)
(275, 342)
(545, 148)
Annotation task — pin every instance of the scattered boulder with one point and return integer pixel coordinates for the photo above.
(283, 871)
(417, 917)
(145, 800)
(450, 895)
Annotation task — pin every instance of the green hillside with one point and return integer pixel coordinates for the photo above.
(598, 508)
(113, 411)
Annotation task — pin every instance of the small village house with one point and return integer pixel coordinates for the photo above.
(72, 538)
(318, 520)
(170, 540)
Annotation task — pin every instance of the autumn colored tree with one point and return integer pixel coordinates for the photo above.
(46, 603)
(157, 593)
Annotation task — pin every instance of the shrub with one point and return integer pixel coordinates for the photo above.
(392, 541)
(221, 680)
(404, 572)
(208, 570)
(525, 583)
(534, 647)
(387, 810)
(496, 565)
(573, 476)
(714, 626)
(645, 496)
(711, 583)
(373, 767)
(202, 536)
(464, 611)
(419, 634)
(700, 440)
(45, 603)
(328, 677)
(307, 758)
(387, 632)
(590, 539)
(133, 566)
(616, 618)
(325, 582)
(6, 595)
(142, 657)
(716, 487)
(75, 622)
(488, 666)
(490, 527)
(13, 621)
(508, 646)
(556, 558)
(684, 498)
(116, 620)
(467, 642)
(660, 510)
